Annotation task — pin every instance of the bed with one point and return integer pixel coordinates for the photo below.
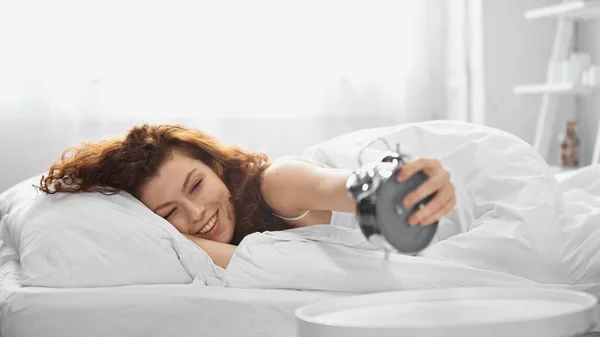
(147, 310)
(151, 310)
(199, 310)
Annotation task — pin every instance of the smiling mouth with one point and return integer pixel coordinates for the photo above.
(210, 225)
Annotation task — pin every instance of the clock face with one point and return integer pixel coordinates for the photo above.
(392, 217)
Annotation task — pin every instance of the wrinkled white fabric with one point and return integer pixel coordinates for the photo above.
(513, 224)
(335, 258)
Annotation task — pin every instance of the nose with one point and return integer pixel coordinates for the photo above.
(196, 212)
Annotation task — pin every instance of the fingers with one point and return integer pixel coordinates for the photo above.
(421, 164)
(434, 209)
(435, 182)
(440, 213)
(438, 182)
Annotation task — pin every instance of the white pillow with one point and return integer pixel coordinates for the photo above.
(18, 193)
(94, 240)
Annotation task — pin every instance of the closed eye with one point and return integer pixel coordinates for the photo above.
(166, 217)
(196, 185)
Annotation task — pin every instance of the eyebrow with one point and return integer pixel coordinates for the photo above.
(185, 183)
(187, 180)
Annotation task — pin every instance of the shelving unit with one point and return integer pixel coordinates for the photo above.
(552, 88)
(573, 10)
(568, 13)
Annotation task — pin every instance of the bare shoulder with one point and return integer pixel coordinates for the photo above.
(293, 185)
(286, 170)
(288, 167)
(285, 180)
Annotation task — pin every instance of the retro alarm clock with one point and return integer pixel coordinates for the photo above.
(380, 210)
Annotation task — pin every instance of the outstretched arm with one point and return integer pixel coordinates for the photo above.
(294, 185)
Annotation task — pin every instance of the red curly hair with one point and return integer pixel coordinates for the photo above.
(126, 164)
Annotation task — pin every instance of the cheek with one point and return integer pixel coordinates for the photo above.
(177, 223)
(224, 192)
(216, 193)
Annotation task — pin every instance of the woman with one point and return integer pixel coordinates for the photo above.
(216, 195)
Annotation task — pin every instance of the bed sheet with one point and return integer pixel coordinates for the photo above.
(151, 310)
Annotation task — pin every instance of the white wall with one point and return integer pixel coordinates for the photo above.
(516, 51)
(588, 40)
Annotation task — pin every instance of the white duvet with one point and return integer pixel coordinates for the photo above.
(514, 224)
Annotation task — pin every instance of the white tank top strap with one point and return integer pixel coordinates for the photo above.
(337, 219)
(296, 218)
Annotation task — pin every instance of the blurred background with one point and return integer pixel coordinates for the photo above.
(273, 76)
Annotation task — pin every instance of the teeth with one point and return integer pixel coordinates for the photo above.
(210, 224)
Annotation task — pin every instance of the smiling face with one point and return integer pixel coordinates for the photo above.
(192, 197)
